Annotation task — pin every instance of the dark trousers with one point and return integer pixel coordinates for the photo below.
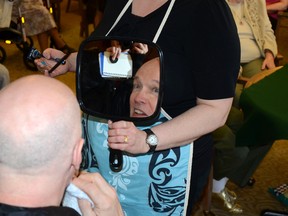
(236, 163)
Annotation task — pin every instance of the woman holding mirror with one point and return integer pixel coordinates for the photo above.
(201, 63)
(157, 176)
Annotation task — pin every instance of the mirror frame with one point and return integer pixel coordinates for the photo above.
(79, 75)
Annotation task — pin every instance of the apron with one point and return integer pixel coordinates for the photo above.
(148, 184)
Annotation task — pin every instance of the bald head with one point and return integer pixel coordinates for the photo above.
(40, 123)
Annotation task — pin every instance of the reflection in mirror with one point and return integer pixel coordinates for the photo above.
(119, 79)
(145, 90)
(106, 69)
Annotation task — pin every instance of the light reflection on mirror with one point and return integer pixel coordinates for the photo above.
(106, 69)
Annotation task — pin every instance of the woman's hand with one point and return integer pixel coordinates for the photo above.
(140, 48)
(269, 62)
(124, 135)
(114, 52)
(45, 63)
(101, 193)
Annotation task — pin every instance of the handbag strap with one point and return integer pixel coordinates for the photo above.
(159, 28)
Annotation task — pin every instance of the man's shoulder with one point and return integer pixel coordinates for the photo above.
(9, 210)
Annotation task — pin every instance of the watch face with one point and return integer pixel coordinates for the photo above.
(152, 139)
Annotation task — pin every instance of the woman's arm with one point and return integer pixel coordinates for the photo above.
(269, 48)
(204, 118)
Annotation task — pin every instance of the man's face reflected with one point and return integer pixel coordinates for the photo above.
(144, 96)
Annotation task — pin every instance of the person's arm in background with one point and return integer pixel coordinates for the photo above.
(270, 44)
(45, 64)
(278, 6)
(269, 61)
(103, 195)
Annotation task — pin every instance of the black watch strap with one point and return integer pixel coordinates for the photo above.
(152, 149)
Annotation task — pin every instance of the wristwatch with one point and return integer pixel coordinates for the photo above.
(151, 140)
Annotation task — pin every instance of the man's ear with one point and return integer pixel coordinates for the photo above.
(77, 154)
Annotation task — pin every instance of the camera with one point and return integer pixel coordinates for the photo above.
(34, 54)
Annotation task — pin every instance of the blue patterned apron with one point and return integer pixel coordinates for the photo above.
(149, 184)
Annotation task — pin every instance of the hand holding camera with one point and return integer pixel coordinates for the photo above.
(42, 64)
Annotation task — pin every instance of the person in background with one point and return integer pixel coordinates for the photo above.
(273, 7)
(94, 10)
(4, 76)
(227, 159)
(40, 142)
(5, 11)
(257, 39)
(39, 22)
(99, 12)
(258, 50)
(199, 88)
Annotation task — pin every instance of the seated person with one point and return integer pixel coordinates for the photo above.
(227, 159)
(257, 39)
(40, 142)
(5, 13)
(4, 76)
(93, 11)
(39, 22)
(233, 163)
(273, 7)
(258, 50)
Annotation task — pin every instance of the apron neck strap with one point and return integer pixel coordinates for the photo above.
(160, 27)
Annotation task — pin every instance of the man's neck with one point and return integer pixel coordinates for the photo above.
(30, 191)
